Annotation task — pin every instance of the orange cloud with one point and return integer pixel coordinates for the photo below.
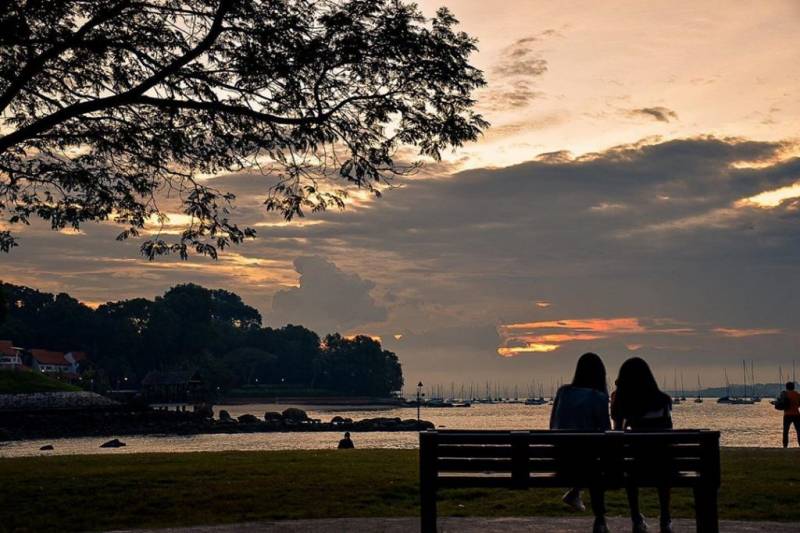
(770, 199)
(376, 338)
(610, 325)
(530, 348)
(549, 335)
(738, 333)
(559, 337)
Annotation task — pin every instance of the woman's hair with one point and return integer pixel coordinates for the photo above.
(590, 373)
(637, 391)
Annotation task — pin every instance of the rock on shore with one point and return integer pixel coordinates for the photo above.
(54, 400)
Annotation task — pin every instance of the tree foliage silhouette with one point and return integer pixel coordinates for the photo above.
(117, 109)
(209, 330)
(3, 306)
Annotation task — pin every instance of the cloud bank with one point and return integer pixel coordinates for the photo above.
(686, 252)
(326, 299)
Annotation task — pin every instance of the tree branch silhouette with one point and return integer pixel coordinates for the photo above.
(107, 105)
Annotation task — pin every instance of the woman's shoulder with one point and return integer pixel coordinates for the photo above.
(667, 400)
(564, 389)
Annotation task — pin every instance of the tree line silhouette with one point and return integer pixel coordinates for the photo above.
(210, 330)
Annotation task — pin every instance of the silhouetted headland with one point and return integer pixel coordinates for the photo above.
(43, 416)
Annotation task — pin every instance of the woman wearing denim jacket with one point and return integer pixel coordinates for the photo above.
(583, 405)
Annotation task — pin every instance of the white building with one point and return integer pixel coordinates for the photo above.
(49, 362)
(10, 356)
(52, 362)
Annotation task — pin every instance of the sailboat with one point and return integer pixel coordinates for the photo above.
(683, 391)
(756, 399)
(676, 400)
(699, 398)
(780, 385)
(727, 398)
(745, 399)
(533, 400)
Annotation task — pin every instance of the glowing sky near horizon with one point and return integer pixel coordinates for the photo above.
(721, 67)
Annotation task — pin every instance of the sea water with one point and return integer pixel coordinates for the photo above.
(757, 425)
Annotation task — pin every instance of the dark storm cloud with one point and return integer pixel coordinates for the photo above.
(327, 299)
(648, 231)
(659, 113)
(681, 190)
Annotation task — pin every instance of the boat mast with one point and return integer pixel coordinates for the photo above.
(744, 374)
(675, 381)
(727, 383)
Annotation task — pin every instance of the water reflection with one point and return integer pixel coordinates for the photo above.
(756, 425)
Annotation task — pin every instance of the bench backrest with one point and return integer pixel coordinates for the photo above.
(566, 458)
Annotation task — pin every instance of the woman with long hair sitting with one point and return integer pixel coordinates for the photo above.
(639, 405)
(583, 405)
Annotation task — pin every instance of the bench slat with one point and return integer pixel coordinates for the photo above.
(474, 465)
(467, 480)
(538, 451)
(495, 437)
(474, 451)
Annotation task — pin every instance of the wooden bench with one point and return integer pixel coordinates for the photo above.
(610, 460)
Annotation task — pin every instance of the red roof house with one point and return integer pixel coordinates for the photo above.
(10, 355)
(51, 362)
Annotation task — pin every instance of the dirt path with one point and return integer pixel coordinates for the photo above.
(469, 525)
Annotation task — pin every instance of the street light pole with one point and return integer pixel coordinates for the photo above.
(419, 398)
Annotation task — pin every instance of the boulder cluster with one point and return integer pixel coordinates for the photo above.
(122, 420)
(294, 419)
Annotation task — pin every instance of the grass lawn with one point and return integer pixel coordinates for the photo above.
(14, 382)
(72, 493)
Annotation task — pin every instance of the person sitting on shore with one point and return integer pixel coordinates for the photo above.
(640, 405)
(346, 443)
(791, 412)
(583, 405)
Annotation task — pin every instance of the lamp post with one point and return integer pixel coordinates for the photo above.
(419, 398)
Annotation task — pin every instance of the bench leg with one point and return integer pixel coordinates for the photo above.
(705, 503)
(428, 511)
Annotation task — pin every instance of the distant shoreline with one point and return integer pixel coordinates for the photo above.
(47, 420)
(359, 401)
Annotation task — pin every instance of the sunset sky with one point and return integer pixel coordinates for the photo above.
(637, 193)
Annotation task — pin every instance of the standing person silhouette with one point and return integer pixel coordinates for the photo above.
(640, 405)
(791, 412)
(583, 405)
